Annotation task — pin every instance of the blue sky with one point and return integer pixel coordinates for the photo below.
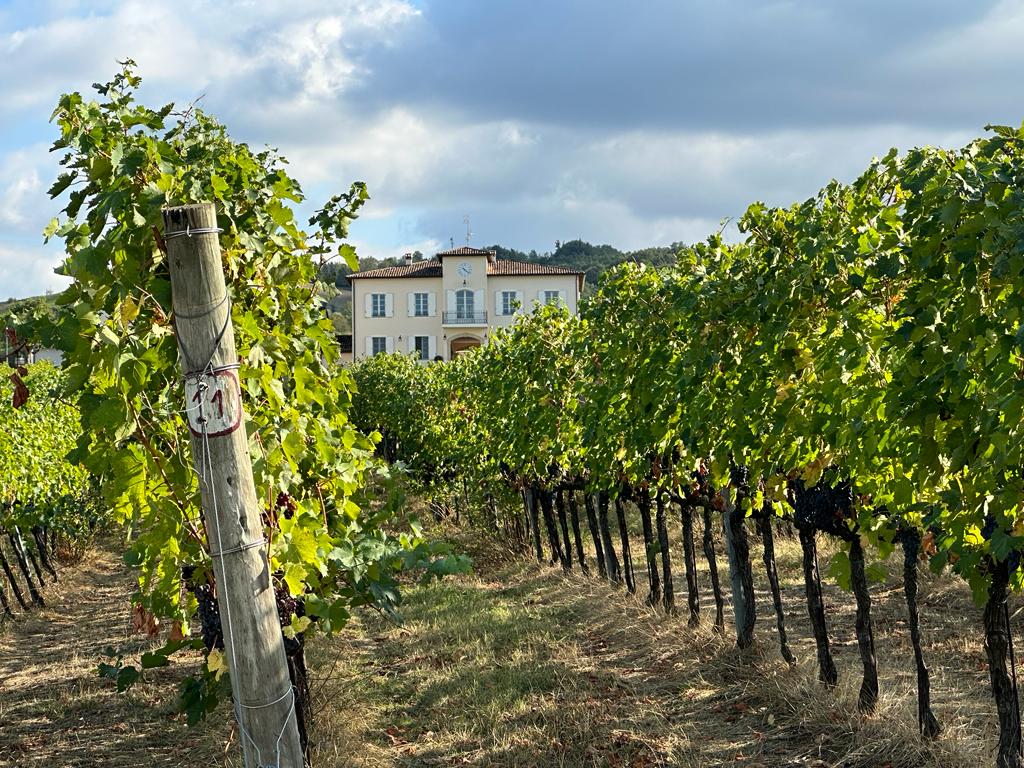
(628, 123)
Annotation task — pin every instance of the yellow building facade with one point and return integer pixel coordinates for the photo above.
(441, 307)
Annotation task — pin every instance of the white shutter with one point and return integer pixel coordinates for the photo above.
(431, 347)
(412, 305)
(561, 298)
(412, 343)
(520, 299)
(431, 304)
(451, 301)
(369, 346)
(479, 300)
(389, 304)
(498, 305)
(367, 304)
(389, 344)
(540, 295)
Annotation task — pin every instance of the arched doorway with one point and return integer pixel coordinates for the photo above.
(462, 344)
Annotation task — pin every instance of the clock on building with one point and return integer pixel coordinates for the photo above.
(464, 269)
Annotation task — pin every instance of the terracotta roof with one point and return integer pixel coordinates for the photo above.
(418, 269)
(465, 250)
(510, 267)
(497, 268)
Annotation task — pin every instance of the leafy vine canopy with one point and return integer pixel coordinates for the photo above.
(123, 162)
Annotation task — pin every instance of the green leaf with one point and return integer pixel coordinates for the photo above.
(154, 660)
(839, 569)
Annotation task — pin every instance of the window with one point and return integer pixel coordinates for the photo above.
(464, 304)
(379, 345)
(378, 304)
(421, 305)
(422, 346)
(551, 297)
(508, 302)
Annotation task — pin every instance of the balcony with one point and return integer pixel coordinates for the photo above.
(464, 318)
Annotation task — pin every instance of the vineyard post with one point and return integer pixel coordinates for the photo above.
(264, 700)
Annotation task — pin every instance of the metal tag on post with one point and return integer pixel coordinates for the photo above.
(213, 400)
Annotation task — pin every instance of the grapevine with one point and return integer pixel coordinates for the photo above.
(853, 365)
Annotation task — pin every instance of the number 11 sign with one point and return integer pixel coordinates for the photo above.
(217, 406)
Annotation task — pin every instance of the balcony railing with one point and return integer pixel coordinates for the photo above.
(464, 318)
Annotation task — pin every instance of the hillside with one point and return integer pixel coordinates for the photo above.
(594, 260)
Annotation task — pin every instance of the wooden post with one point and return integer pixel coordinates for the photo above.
(252, 631)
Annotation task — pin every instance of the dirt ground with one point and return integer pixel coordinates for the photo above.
(56, 711)
(520, 665)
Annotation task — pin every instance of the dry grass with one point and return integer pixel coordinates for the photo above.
(54, 709)
(519, 665)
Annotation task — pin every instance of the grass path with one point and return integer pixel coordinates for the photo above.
(519, 666)
(54, 709)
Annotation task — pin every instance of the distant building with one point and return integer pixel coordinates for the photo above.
(443, 306)
(26, 355)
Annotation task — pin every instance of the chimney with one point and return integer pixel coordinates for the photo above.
(407, 259)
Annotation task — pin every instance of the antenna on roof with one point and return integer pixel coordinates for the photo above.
(469, 232)
(451, 241)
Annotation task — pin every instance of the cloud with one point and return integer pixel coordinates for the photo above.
(28, 271)
(426, 247)
(271, 50)
(635, 125)
(21, 188)
(735, 65)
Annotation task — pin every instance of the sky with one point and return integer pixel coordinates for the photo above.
(633, 124)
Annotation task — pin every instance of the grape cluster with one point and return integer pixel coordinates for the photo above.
(1013, 557)
(287, 606)
(739, 476)
(286, 504)
(206, 608)
(209, 617)
(824, 507)
(989, 528)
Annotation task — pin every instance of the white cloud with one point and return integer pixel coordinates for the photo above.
(185, 47)
(512, 114)
(715, 175)
(317, 43)
(21, 188)
(27, 271)
(427, 247)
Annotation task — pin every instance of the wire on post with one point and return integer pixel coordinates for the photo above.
(188, 232)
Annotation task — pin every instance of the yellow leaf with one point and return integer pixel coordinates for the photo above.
(129, 310)
(775, 488)
(294, 577)
(216, 663)
(758, 502)
(812, 473)
(299, 625)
